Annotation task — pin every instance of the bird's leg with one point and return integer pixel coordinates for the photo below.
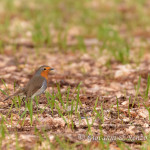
(36, 103)
(23, 100)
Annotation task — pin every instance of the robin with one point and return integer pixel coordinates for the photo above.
(36, 85)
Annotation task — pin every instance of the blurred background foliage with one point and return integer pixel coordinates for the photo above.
(118, 29)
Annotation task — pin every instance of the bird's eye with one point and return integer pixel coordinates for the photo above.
(44, 68)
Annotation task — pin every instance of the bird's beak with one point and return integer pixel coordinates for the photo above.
(51, 69)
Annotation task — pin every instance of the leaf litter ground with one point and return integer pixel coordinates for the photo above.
(112, 103)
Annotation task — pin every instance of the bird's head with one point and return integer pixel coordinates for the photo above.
(43, 71)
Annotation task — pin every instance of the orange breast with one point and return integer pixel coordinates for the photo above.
(45, 74)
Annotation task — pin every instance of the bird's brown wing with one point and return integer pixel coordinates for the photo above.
(34, 84)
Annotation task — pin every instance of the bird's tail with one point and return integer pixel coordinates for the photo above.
(16, 93)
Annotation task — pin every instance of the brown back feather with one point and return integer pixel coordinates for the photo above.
(33, 85)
